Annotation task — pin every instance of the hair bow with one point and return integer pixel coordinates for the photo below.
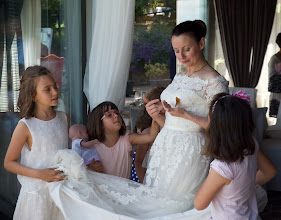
(242, 95)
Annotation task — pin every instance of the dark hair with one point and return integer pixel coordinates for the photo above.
(95, 125)
(196, 29)
(278, 40)
(28, 84)
(229, 135)
(144, 120)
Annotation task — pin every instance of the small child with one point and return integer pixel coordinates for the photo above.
(115, 144)
(238, 163)
(40, 133)
(143, 127)
(79, 137)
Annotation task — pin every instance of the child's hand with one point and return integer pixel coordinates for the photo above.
(93, 142)
(178, 112)
(51, 175)
(96, 166)
(88, 144)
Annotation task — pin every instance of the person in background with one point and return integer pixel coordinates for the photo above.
(142, 126)
(274, 79)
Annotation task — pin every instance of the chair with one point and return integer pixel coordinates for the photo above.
(271, 146)
(55, 65)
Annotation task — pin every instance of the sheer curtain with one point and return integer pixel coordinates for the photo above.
(31, 32)
(111, 47)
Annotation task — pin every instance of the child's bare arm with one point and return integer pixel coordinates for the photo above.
(208, 190)
(20, 136)
(145, 138)
(88, 144)
(266, 169)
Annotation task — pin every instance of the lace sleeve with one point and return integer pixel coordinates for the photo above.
(215, 86)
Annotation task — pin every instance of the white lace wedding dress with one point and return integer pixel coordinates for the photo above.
(176, 168)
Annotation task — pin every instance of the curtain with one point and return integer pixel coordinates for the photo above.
(108, 65)
(11, 58)
(72, 19)
(31, 32)
(245, 27)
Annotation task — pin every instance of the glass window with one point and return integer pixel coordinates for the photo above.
(37, 32)
(152, 52)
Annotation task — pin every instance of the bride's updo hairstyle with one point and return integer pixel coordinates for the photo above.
(196, 29)
(229, 134)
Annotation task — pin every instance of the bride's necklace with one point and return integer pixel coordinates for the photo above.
(198, 69)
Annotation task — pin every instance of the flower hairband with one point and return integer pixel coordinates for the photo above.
(240, 94)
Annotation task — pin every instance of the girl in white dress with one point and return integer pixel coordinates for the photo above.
(38, 136)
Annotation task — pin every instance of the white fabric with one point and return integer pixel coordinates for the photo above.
(34, 201)
(108, 65)
(89, 195)
(175, 156)
(31, 32)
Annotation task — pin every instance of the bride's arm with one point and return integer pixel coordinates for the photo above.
(180, 112)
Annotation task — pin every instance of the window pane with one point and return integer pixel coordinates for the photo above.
(152, 51)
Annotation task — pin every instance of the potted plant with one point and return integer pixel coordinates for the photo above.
(158, 73)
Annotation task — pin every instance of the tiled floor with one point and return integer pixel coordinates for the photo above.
(272, 210)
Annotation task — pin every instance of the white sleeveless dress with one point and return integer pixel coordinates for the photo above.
(34, 201)
(176, 168)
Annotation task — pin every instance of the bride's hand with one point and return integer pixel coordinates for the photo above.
(153, 107)
(177, 112)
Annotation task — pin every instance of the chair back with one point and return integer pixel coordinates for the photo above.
(55, 65)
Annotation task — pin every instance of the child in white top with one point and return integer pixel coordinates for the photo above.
(115, 144)
(238, 163)
(79, 137)
(40, 133)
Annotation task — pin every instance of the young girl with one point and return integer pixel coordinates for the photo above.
(40, 133)
(114, 149)
(142, 126)
(238, 163)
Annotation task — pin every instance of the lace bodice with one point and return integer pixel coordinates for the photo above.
(195, 95)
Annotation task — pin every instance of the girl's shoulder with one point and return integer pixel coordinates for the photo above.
(223, 168)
